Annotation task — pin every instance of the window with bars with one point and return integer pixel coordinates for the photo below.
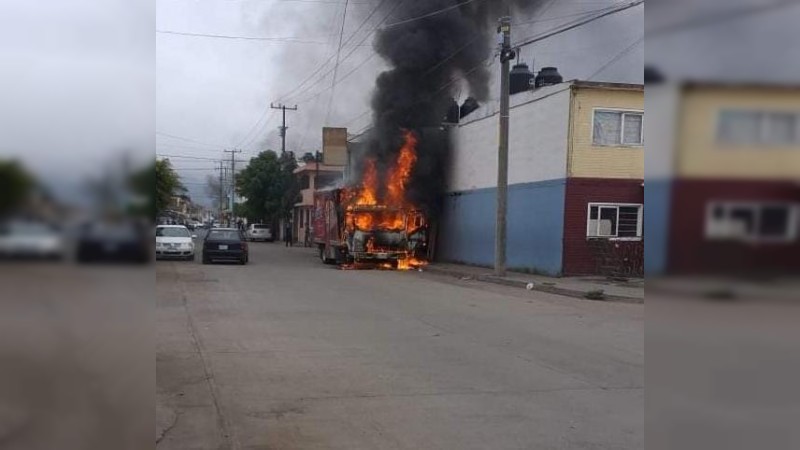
(610, 220)
(617, 128)
(752, 222)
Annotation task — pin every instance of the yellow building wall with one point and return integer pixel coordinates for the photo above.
(334, 146)
(699, 153)
(587, 160)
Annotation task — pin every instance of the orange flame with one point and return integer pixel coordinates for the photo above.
(399, 175)
(368, 194)
(366, 212)
(410, 263)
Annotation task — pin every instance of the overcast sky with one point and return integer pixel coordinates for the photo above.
(77, 86)
(218, 91)
(80, 82)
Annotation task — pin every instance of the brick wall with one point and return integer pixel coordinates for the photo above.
(599, 257)
(690, 252)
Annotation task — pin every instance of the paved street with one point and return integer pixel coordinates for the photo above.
(286, 353)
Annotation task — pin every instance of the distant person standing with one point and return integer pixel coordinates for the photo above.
(287, 234)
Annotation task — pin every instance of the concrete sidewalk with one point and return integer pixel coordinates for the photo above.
(578, 287)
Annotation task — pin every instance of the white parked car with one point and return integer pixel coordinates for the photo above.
(23, 239)
(174, 241)
(259, 232)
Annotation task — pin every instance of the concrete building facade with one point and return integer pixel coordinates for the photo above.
(575, 182)
(725, 186)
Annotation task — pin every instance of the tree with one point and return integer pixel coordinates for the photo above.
(15, 186)
(143, 183)
(269, 185)
(167, 184)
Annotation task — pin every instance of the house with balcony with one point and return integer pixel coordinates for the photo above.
(576, 170)
(723, 179)
(312, 176)
(325, 171)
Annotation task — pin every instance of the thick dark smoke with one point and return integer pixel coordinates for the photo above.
(425, 55)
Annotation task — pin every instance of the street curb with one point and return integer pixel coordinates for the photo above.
(524, 285)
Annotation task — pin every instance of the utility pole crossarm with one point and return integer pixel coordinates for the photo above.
(283, 127)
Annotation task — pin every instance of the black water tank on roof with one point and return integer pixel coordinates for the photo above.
(548, 76)
(470, 105)
(452, 112)
(521, 77)
(652, 75)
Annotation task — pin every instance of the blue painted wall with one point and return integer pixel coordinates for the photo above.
(657, 196)
(535, 227)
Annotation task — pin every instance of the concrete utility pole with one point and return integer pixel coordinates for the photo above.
(283, 127)
(221, 195)
(233, 177)
(506, 55)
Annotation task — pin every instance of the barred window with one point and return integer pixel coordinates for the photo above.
(752, 222)
(608, 220)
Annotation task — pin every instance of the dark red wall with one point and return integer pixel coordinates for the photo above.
(599, 257)
(689, 251)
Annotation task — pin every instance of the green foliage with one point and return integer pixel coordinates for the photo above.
(143, 183)
(15, 186)
(167, 184)
(269, 184)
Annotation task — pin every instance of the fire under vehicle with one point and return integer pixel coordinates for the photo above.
(373, 222)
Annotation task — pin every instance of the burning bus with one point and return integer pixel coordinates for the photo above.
(372, 223)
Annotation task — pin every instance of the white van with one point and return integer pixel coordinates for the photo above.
(259, 232)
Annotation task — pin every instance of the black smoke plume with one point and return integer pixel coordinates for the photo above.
(426, 54)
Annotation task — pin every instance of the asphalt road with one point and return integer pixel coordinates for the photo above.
(287, 353)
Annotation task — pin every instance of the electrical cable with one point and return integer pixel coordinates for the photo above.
(616, 58)
(286, 40)
(430, 14)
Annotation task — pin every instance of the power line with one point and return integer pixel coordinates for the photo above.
(713, 19)
(616, 57)
(565, 16)
(171, 146)
(430, 14)
(346, 76)
(346, 57)
(194, 169)
(181, 138)
(164, 155)
(247, 137)
(576, 24)
(287, 40)
(336, 66)
(554, 32)
(322, 66)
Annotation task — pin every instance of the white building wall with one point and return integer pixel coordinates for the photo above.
(539, 132)
(660, 130)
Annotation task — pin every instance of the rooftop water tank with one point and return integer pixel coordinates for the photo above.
(469, 105)
(521, 77)
(548, 76)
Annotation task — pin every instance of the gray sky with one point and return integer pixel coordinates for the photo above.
(77, 86)
(82, 79)
(218, 91)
